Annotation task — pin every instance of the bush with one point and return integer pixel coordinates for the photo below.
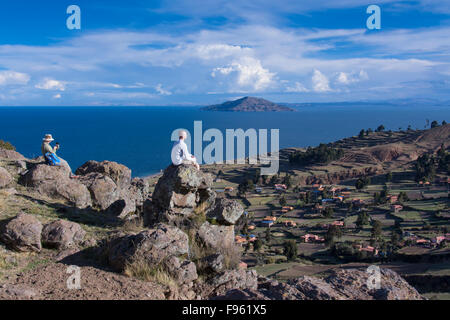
(290, 250)
(6, 145)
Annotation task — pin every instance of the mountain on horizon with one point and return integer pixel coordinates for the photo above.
(248, 104)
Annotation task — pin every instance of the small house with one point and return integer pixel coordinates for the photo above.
(396, 208)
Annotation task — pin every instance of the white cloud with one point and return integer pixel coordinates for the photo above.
(298, 87)
(11, 78)
(162, 91)
(320, 82)
(250, 74)
(50, 84)
(57, 96)
(351, 77)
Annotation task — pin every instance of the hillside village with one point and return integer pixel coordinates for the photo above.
(227, 232)
(367, 207)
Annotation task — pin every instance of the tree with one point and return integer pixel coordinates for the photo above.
(376, 229)
(287, 180)
(282, 201)
(444, 122)
(257, 245)
(361, 183)
(434, 124)
(395, 238)
(402, 196)
(328, 212)
(380, 128)
(322, 154)
(246, 186)
(361, 134)
(268, 235)
(362, 220)
(290, 249)
(332, 233)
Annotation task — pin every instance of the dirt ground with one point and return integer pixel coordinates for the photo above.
(49, 282)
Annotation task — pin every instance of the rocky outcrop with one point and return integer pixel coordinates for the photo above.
(112, 189)
(22, 233)
(120, 174)
(10, 155)
(104, 192)
(229, 280)
(5, 178)
(55, 182)
(216, 236)
(180, 191)
(344, 284)
(62, 234)
(226, 211)
(153, 246)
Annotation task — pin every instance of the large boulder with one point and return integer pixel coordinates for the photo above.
(153, 246)
(22, 233)
(120, 174)
(179, 193)
(5, 178)
(62, 234)
(228, 280)
(183, 271)
(226, 211)
(216, 236)
(104, 191)
(55, 182)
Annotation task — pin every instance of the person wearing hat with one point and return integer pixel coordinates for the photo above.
(180, 153)
(47, 148)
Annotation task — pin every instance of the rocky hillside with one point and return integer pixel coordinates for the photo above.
(177, 243)
(247, 104)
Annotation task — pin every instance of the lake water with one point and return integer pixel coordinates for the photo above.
(139, 137)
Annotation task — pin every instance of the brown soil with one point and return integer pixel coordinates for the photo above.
(49, 282)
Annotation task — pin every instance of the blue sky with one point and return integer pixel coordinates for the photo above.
(202, 52)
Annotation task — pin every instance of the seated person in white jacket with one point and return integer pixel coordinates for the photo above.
(180, 153)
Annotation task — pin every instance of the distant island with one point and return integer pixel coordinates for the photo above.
(247, 104)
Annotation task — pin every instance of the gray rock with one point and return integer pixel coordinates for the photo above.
(182, 271)
(216, 236)
(104, 192)
(120, 174)
(154, 246)
(54, 182)
(10, 155)
(179, 192)
(343, 284)
(231, 279)
(22, 233)
(213, 263)
(62, 234)
(226, 211)
(5, 178)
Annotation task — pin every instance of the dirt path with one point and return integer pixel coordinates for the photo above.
(49, 282)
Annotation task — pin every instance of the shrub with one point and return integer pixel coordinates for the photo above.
(290, 249)
(6, 145)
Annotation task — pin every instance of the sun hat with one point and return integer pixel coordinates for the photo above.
(48, 138)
